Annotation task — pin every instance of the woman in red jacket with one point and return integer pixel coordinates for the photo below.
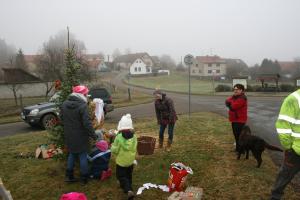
(237, 105)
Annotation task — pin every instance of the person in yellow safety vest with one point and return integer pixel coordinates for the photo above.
(288, 129)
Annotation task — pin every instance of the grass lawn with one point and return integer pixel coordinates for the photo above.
(204, 143)
(11, 113)
(176, 82)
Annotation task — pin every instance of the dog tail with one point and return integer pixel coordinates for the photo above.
(271, 147)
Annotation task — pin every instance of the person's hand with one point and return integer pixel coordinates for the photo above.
(227, 103)
(135, 162)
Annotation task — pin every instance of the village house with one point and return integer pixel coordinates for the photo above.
(136, 64)
(139, 67)
(207, 66)
(289, 68)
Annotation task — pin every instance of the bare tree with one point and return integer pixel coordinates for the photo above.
(116, 53)
(167, 62)
(7, 55)
(127, 51)
(51, 60)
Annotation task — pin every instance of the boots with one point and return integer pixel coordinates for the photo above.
(84, 179)
(161, 143)
(169, 145)
(69, 178)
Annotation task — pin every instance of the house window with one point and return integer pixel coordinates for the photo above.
(218, 64)
(196, 65)
(193, 71)
(209, 64)
(148, 69)
(217, 71)
(209, 71)
(135, 69)
(137, 61)
(139, 69)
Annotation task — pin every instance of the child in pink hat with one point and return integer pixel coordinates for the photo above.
(100, 157)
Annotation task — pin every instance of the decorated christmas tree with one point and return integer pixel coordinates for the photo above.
(71, 78)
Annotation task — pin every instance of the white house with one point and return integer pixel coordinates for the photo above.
(139, 67)
(125, 61)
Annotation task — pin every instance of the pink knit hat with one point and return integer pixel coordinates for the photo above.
(81, 89)
(73, 196)
(102, 145)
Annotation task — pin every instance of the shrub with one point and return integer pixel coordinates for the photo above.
(223, 88)
(249, 88)
(287, 88)
(257, 88)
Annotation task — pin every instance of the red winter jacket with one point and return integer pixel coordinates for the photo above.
(237, 108)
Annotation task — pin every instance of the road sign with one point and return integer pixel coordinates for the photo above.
(188, 59)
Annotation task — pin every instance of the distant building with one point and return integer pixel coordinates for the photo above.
(206, 66)
(16, 75)
(289, 68)
(139, 67)
(125, 61)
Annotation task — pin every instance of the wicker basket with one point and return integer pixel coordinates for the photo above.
(146, 145)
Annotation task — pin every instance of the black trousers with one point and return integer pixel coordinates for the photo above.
(124, 175)
(236, 129)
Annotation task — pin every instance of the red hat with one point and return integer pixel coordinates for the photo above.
(81, 89)
(102, 145)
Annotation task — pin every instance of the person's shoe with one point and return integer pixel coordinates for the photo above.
(130, 195)
(160, 145)
(168, 149)
(69, 178)
(84, 179)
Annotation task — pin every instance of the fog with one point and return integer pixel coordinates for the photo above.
(247, 29)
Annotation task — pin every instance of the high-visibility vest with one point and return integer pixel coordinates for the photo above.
(288, 122)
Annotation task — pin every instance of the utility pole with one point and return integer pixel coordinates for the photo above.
(68, 37)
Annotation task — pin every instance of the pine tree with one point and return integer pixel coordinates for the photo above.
(71, 78)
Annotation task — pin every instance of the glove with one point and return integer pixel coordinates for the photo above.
(228, 104)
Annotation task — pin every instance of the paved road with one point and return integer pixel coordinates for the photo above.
(262, 112)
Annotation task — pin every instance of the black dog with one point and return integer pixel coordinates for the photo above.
(254, 143)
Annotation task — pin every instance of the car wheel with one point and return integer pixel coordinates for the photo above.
(47, 119)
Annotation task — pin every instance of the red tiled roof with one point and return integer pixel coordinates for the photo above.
(210, 59)
(93, 63)
(30, 58)
(287, 65)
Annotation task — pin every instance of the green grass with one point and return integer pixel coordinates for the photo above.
(203, 142)
(177, 82)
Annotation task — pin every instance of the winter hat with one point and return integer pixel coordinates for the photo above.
(125, 123)
(73, 196)
(102, 145)
(157, 91)
(81, 89)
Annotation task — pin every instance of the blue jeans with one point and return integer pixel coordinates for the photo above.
(83, 162)
(170, 131)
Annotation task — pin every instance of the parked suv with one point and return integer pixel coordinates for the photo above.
(41, 113)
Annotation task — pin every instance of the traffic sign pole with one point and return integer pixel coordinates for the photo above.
(188, 60)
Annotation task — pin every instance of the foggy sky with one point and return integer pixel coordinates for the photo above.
(247, 29)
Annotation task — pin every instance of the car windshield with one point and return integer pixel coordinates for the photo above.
(99, 93)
